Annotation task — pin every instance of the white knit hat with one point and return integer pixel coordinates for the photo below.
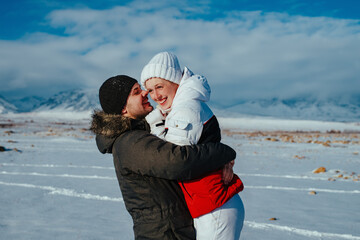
(163, 65)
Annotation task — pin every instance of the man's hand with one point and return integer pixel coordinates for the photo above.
(228, 173)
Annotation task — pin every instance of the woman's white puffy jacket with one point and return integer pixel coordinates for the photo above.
(191, 121)
(188, 114)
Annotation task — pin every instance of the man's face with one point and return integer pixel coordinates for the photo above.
(137, 105)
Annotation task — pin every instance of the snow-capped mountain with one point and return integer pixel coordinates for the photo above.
(75, 100)
(297, 108)
(6, 107)
(27, 104)
(306, 108)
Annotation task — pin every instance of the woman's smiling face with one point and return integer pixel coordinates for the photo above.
(161, 91)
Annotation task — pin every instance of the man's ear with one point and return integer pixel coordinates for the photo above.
(124, 111)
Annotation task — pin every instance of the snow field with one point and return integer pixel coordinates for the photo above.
(279, 180)
(58, 186)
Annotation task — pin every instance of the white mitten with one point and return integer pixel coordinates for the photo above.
(156, 121)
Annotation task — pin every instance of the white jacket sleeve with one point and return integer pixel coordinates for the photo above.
(183, 127)
(156, 120)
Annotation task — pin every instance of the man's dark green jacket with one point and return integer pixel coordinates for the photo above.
(148, 168)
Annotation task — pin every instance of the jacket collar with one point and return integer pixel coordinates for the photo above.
(113, 125)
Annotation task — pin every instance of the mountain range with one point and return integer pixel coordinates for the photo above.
(332, 109)
(6, 107)
(74, 100)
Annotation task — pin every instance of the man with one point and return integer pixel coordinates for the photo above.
(147, 167)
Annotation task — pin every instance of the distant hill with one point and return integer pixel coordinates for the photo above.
(28, 104)
(75, 100)
(6, 107)
(296, 108)
(334, 109)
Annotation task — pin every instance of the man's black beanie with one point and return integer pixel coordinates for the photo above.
(114, 92)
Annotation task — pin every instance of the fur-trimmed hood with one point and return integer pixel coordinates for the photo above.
(108, 127)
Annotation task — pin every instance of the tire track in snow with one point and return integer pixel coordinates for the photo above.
(283, 176)
(58, 175)
(299, 231)
(64, 192)
(303, 189)
(54, 166)
(247, 186)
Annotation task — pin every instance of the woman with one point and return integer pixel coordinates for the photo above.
(182, 117)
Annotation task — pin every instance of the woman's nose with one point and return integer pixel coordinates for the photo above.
(156, 95)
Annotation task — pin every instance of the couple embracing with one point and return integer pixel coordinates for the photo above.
(175, 176)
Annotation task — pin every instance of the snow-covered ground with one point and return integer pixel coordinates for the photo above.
(56, 185)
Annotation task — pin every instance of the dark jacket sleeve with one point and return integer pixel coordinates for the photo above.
(145, 154)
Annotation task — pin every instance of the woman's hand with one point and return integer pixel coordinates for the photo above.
(228, 173)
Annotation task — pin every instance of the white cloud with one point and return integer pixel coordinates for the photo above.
(244, 55)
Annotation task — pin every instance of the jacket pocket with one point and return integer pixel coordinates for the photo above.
(177, 131)
(178, 124)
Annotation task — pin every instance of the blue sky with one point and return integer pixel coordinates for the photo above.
(247, 48)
